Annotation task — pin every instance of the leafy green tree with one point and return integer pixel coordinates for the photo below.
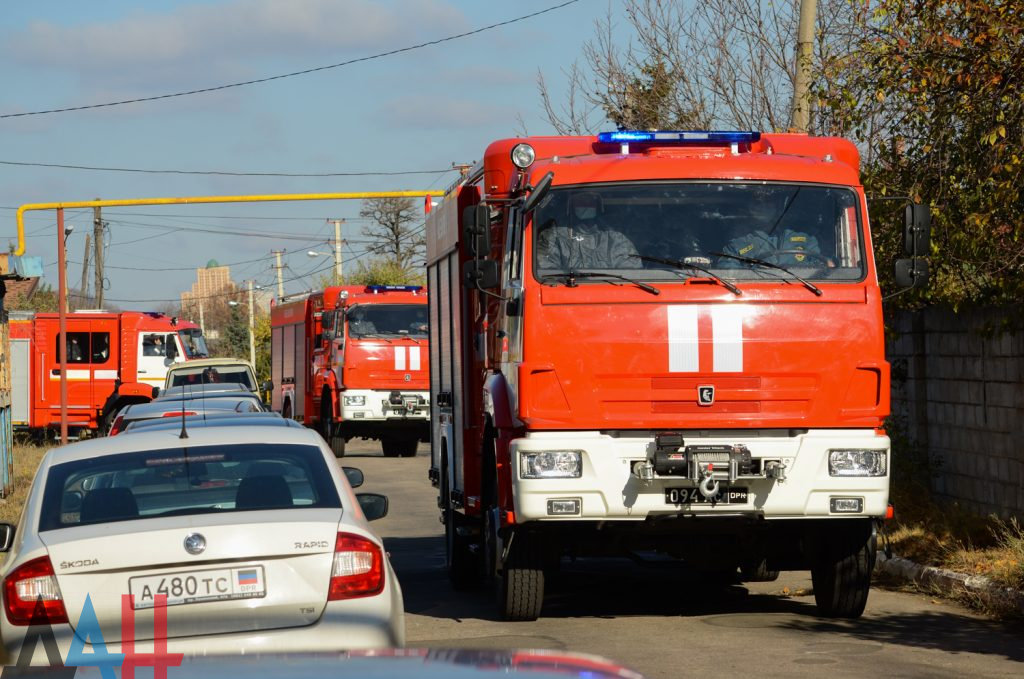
(234, 338)
(385, 272)
(934, 91)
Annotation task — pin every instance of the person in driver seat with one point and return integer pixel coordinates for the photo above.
(585, 242)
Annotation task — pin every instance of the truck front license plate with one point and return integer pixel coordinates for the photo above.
(690, 496)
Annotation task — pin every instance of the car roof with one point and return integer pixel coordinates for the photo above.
(219, 402)
(207, 362)
(209, 389)
(168, 439)
(222, 418)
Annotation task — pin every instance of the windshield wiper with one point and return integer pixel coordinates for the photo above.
(760, 262)
(696, 267)
(571, 276)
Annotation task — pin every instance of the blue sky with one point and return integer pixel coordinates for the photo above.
(420, 110)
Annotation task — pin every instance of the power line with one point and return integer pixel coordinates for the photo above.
(307, 71)
(223, 173)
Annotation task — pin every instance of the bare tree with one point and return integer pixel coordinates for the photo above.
(703, 64)
(395, 233)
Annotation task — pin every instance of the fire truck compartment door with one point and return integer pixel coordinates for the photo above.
(21, 365)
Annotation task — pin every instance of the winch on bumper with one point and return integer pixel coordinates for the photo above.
(379, 405)
(788, 474)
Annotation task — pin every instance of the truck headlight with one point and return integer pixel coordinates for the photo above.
(551, 464)
(856, 462)
(355, 400)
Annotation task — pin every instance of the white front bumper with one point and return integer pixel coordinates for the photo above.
(378, 408)
(608, 489)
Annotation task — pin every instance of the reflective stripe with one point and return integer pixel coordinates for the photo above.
(727, 337)
(399, 358)
(414, 358)
(682, 339)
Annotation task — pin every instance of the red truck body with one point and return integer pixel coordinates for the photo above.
(713, 388)
(351, 361)
(114, 359)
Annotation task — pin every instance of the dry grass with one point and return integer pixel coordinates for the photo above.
(26, 461)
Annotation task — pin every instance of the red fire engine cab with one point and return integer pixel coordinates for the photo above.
(113, 360)
(351, 361)
(665, 341)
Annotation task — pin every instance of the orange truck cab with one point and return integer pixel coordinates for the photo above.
(351, 361)
(665, 341)
(114, 360)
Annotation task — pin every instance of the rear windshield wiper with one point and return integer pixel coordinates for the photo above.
(677, 264)
(572, 275)
(760, 262)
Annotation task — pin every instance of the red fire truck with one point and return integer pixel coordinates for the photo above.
(351, 361)
(665, 341)
(114, 359)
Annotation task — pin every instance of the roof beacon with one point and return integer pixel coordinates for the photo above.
(393, 288)
(733, 138)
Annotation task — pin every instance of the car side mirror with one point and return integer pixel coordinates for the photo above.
(480, 274)
(156, 392)
(917, 230)
(476, 229)
(268, 385)
(7, 533)
(374, 505)
(354, 476)
(911, 272)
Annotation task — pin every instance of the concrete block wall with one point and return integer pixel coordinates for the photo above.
(958, 384)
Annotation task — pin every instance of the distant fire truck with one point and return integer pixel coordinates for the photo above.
(667, 341)
(351, 361)
(113, 360)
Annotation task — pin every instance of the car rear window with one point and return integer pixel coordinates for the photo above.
(200, 480)
(223, 374)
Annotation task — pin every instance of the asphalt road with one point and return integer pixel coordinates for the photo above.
(662, 623)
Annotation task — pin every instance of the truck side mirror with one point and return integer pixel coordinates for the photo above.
(917, 230)
(539, 191)
(480, 274)
(911, 272)
(476, 229)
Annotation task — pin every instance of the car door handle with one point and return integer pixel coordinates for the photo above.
(140, 371)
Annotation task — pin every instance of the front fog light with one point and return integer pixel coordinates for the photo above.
(355, 400)
(856, 462)
(551, 464)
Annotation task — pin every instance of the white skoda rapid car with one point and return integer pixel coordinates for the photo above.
(251, 538)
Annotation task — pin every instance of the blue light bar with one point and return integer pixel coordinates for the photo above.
(678, 137)
(393, 288)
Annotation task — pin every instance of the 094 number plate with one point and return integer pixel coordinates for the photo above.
(692, 496)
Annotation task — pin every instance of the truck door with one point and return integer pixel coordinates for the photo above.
(153, 360)
(89, 360)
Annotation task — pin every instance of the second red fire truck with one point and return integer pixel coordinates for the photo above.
(351, 361)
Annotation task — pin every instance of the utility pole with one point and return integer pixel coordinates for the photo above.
(252, 327)
(280, 276)
(202, 321)
(338, 278)
(97, 240)
(804, 61)
(83, 290)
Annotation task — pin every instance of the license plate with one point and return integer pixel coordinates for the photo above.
(190, 587)
(690, 496)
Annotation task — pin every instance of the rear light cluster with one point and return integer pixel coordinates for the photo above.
(32, 595)
(358, 568)
(179, 413)
(116, 426)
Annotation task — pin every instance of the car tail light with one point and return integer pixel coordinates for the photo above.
(32, 595)
(180, 413)
(116, 427)
(358, 568)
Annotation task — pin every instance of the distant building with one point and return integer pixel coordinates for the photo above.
(211, 281)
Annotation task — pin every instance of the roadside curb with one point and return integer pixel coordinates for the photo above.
(949, 582)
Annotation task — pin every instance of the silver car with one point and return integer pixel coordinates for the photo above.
(219, 543)
(169, 407)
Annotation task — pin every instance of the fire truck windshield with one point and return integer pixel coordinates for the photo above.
(192, 340)
(811, 231)
(379, 321)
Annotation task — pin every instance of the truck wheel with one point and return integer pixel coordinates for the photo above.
(757, 571)
(407, 447)
(463, 565)
(842, 574)
(338, 445)
(521, 584)
(389, 447)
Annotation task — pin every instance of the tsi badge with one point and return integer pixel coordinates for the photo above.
(195, 544)
(705, 395)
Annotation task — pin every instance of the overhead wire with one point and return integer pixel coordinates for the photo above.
(223, 173)
(215, 88)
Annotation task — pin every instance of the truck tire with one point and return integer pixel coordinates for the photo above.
(757, 571)
(389, 447)
(462, 564)
(338, 446)
(407, 447)
(842, 573)
(329, 429)
(521, 583)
